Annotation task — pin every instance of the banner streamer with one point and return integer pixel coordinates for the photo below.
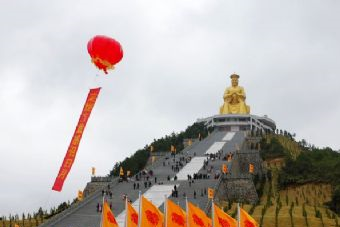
(73, 147)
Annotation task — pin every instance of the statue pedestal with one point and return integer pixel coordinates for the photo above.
(239, 122)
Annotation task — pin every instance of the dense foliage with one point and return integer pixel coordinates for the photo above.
(316, 165)
(335, 203)
(134, 163)
(304, 163)
(138, 160)
(272, 149)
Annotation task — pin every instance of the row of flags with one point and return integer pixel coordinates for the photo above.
(121, 172)
(173, 148)
(224, 170)
(175, 216)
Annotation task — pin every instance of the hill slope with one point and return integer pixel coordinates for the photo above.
(301, 187)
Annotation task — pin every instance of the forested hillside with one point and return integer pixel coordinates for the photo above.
(302, 185)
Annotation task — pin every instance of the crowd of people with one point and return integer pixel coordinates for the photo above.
(146, 178)
(108, 196)
(175, 192)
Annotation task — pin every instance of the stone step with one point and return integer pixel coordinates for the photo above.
(86, 215)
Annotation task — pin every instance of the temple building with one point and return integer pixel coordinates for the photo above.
(234, 114)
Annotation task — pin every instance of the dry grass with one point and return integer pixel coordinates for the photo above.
(312, 195)
(291, 146)
(26, 223)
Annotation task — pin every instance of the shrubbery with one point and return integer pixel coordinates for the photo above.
(314, 166)
(335, 203)
(317, 165)
(271, 150)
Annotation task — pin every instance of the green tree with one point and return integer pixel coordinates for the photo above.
(23, 219)
(10, 220)
(36, 220)
(335, 202)
(271, 150)
(291, 213)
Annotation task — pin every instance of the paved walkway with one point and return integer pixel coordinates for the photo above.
(192, 161)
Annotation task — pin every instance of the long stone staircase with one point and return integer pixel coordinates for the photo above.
(202, 161)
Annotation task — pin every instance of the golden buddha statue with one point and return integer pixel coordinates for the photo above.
(234, 98)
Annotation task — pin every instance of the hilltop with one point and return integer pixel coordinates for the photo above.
(301, 186)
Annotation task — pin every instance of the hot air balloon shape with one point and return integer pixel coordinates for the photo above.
(105, 52)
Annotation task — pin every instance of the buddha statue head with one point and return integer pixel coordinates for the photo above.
(234, 79)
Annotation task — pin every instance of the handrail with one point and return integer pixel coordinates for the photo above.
(101, 179)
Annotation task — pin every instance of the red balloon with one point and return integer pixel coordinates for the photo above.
(105, 52)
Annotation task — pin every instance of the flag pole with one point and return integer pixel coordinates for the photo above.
(140, 209)
(238, 215)
(165, 211)
(212, 212)
(126, 211)
(101, 219)
(186, 210)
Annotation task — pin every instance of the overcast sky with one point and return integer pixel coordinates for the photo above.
(178, 58)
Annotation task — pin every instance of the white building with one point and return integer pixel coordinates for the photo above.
(239, 122)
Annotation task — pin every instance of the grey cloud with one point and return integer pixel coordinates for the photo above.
(177, 62)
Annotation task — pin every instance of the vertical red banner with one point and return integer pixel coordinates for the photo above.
(73, 148)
